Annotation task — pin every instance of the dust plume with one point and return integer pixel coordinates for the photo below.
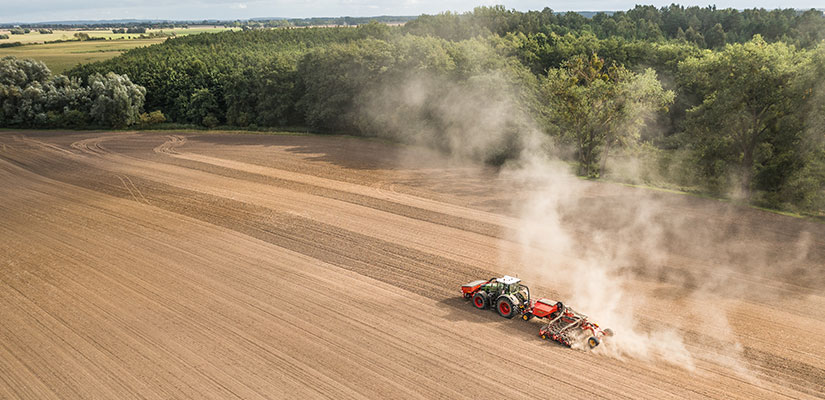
(471, 120)
(615, 253)
(587, 267)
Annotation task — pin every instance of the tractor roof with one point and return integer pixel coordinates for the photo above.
(508, 280)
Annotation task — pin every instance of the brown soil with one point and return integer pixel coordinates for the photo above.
(142, 265)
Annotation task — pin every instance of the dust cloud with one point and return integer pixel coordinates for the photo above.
(608, 252)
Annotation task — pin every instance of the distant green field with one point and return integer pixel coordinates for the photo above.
(63, 56)
(36, 37)
(60, 57)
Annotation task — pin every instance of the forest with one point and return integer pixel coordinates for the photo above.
(717, 101)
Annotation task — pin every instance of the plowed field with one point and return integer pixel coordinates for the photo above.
(150, 265)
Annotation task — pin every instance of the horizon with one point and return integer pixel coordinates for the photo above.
(62, 11)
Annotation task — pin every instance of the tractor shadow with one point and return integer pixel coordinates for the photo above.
(460, 310)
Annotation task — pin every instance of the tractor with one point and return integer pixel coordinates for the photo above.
(506, 294)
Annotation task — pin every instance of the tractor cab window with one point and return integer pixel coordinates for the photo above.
(523, 291)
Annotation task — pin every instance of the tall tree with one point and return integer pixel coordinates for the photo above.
(748, 97)
(116, 101)
(597, 107)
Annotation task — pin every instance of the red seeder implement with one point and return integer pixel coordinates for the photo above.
(569, 327)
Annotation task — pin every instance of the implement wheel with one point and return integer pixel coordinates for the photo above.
(560, 307)
(593, 342)
(505, 307)
(480, 300)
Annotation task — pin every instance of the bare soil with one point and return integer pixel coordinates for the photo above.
(150, 265)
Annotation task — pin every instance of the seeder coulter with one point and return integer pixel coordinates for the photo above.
(570, 327)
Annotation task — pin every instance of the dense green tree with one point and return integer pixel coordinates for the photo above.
(115, 100)
(31, 97)
(598, 106)
(749, 98)
(716, 37)
(698, 24)
(265, 94)
(804, 186)
(202, 108)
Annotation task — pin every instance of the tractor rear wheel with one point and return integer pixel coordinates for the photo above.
(480, 300)
(505, 308)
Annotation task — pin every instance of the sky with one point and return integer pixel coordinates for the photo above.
(63, 10)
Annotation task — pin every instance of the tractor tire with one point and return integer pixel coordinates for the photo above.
(593, 342)
(505, 307)
(527, 316)
(480, 300)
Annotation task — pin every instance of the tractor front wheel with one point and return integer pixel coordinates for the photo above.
(480, 300)
(505, 307)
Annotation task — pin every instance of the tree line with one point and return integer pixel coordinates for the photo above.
(744, 114)
(706, 27)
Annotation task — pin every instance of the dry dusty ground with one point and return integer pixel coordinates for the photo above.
(140, 265)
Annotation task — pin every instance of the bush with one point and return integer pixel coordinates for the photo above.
(210, 121)
(154, 117)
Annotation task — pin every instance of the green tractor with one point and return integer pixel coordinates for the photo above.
(506, 294)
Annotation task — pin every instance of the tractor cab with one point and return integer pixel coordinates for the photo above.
(503, 285)
(513, 286)
(508, 282)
